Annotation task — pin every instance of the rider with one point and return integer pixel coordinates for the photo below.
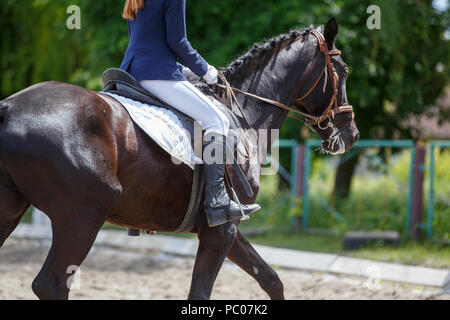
(157, 31)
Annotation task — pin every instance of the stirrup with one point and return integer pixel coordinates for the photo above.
(236, 199)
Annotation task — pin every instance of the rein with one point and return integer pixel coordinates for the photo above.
(330, 112)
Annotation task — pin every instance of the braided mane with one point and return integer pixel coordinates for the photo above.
(261, 49)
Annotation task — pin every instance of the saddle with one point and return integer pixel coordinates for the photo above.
(120, 82)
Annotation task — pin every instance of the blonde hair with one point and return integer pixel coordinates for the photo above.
(131, 8)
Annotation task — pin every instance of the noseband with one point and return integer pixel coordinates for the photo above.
(330, 112)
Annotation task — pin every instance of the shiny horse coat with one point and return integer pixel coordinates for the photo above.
(82, 161)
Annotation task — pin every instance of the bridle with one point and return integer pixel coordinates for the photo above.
(330, 112)
(333, 108)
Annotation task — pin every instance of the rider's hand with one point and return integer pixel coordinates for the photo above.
(211, 76)
(189, 75)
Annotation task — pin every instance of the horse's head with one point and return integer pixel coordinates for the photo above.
(326, 98)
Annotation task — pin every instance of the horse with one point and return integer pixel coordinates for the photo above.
(80, 159)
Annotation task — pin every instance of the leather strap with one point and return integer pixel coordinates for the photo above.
(332, 109)
(198, 185)
(280, 105)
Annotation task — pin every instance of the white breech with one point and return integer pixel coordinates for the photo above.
(185, 97)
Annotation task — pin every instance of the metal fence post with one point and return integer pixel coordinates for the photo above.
(410, 192)
(417, 190)
(431, 192)
(431, 195)
(306, 174)
(300, 169)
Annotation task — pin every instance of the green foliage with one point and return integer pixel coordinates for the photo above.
(35, 44)
(278, 207)
(394, 71)
(431, 255)
(377, 201)
(427, 254)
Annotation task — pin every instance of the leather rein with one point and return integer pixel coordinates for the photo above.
(330, 112)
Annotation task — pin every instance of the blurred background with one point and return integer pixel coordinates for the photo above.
(396, 182)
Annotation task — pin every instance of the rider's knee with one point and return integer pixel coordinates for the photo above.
(220, 123)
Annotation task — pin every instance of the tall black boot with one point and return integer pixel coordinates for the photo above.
(219, 207)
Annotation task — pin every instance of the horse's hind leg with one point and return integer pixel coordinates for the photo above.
(75, 229)
(244, 255)
(71, 243)
(12, 206)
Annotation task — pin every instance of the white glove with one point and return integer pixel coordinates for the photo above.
(189, 75)
(211, 76)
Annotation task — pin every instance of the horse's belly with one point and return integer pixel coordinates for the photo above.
(155, 194)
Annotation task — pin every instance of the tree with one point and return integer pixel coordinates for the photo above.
(36, 45)
(397, 70)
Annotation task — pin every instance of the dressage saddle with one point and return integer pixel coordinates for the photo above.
(122, 83)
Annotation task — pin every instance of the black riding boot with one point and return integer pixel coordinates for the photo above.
(219, 207)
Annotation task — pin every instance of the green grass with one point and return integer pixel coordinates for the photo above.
(418, 254)
(424, 254)
(428, 255)
(26, 218)
(299, 241)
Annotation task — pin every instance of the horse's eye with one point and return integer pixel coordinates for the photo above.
(346, 70)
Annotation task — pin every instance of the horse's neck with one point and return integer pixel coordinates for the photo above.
(263, 121)
(276, 78)
(261, 124)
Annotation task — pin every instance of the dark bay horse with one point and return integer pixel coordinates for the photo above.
(82, 161)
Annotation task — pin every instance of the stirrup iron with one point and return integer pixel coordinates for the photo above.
(236, 199)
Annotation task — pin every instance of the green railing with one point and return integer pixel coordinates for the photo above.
(293, 145)
(431, 191)
(360, 144)
(306, 160)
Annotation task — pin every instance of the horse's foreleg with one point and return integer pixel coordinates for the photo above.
(213, 248)
(245, 256)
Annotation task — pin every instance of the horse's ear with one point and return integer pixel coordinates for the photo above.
(330, 33)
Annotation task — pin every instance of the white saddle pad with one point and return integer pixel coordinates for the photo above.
(163, 126)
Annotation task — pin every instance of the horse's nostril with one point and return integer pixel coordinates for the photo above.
(357, 137)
